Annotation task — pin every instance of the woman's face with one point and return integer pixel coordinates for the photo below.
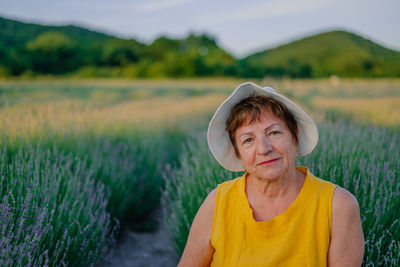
(266, 147)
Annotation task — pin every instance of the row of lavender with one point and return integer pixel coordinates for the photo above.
(362, 159)
(64, 198)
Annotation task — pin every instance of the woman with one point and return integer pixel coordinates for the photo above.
(276, 214)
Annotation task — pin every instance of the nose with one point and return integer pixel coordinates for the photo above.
(264, 146)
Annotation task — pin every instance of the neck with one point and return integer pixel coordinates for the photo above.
(290, 182)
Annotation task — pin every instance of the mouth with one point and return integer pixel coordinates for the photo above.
(268, 162)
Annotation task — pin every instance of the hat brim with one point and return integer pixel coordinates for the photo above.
(218, 138)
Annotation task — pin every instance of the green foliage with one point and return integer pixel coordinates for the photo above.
(15, 33)
(60, 50)
(332, 53)
(118, 52)
(131, 169)
(48, 42)
(62, 200)
(17, 58)
(52, 52)
(189, 57)
(52, 212)
(110, 177)
(370, 172)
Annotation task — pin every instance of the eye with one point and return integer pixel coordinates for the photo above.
(275, 133)
(247, 140)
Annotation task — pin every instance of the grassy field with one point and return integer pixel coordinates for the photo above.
(370, 172)
(82, 158)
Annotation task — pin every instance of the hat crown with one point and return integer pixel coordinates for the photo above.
(269, 89)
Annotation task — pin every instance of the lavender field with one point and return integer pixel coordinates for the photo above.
(80, 160)
(364, 160)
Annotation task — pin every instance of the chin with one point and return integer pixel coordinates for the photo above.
(270, 174)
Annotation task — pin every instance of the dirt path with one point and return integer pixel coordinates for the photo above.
(143, 249)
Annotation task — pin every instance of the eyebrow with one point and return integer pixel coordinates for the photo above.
(272, 125)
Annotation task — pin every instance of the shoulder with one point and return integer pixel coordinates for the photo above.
(343, 202)
(198, 250)
(203, 221)
(222, 190)
(345, 210)
(322, 189)
(347, 238)
(319, 183)
(228, 186)
(209, 202)
(204, 217)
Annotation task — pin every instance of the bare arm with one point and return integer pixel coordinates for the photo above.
(347, 240)
(198, 250)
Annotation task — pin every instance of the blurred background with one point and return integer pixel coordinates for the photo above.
(104, 107)
(189, 38)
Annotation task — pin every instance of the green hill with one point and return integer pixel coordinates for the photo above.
(195, 55)
(34, 49)
(38, 49)
(330, 53)
(13, 32)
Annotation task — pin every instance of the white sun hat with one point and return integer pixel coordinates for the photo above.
(218, 138)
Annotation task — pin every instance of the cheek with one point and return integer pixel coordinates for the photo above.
(245, 155)
(289, 148)
(292, 150)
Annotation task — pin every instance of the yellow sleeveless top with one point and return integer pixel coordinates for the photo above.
(298, 237)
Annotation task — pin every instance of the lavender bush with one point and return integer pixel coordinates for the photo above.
(364, 160)
(52, 212)
(131, 171)
(62, 200)
(130, 166)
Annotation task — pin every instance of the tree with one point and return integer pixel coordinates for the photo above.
(118, 52)
(53, 52)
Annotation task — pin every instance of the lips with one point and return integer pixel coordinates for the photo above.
(267, 162)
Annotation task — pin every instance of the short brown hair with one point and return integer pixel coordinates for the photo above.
(252, 107)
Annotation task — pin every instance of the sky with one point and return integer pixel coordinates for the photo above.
(240, 27)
